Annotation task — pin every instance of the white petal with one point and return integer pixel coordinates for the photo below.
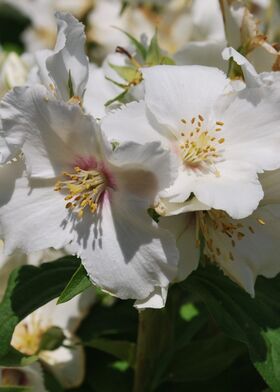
(68, 365)
(176, 92)
(69, 57)
(183, 227)
(151, 158)
(251, 127)
(130, 123)
(202, 53)
(249, 72)
(99, 90)
(123, 250)
(156, 300)
(53, 133)
(32, 215)
(256, 253)
(236, 190)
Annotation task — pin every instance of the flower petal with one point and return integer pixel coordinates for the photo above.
(236, 190)
(151, 158)
(67, 364)
(53, 134)
(183, 227)
(69, 59)
(173, 93)
(251, 127)
(32, 215)
(255, 251)
(155, 300)
(124, 251)
(130, 123)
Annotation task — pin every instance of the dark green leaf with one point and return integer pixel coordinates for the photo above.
(121, 349)
(14, 359)
(79, 282)
(204, 359)
(255, 322)
(28, 289)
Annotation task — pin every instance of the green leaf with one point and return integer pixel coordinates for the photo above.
(15, 359)
(204, 359)
(121, 349)
(137, 44)
(79, 282)
(154, 53)
(28, 289)
(125, 72)
(255, 322)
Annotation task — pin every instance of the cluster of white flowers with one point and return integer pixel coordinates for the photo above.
(145, 165)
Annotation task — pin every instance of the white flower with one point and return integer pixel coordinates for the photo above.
(42, 32)
(67, 363)
(28, 376)
(243, 249)
(83, 191)
(222, 140)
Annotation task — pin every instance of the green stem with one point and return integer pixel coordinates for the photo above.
(155, 340)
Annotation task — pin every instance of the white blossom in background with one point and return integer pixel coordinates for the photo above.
(42, 32)
(67, 362)
(28, 376)
(177, 22)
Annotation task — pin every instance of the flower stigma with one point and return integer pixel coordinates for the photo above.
(85, 188)
(199, 145)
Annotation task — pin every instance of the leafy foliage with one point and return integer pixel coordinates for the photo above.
(255, 322)
(29, 288)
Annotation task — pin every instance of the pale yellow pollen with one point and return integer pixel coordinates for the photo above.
(84, 188)
(261, 221)
(198, 144)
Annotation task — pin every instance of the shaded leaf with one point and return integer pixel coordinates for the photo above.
(255, 322)
(28, 289)
(78, 283)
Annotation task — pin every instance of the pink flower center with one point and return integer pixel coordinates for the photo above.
(86, 186)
